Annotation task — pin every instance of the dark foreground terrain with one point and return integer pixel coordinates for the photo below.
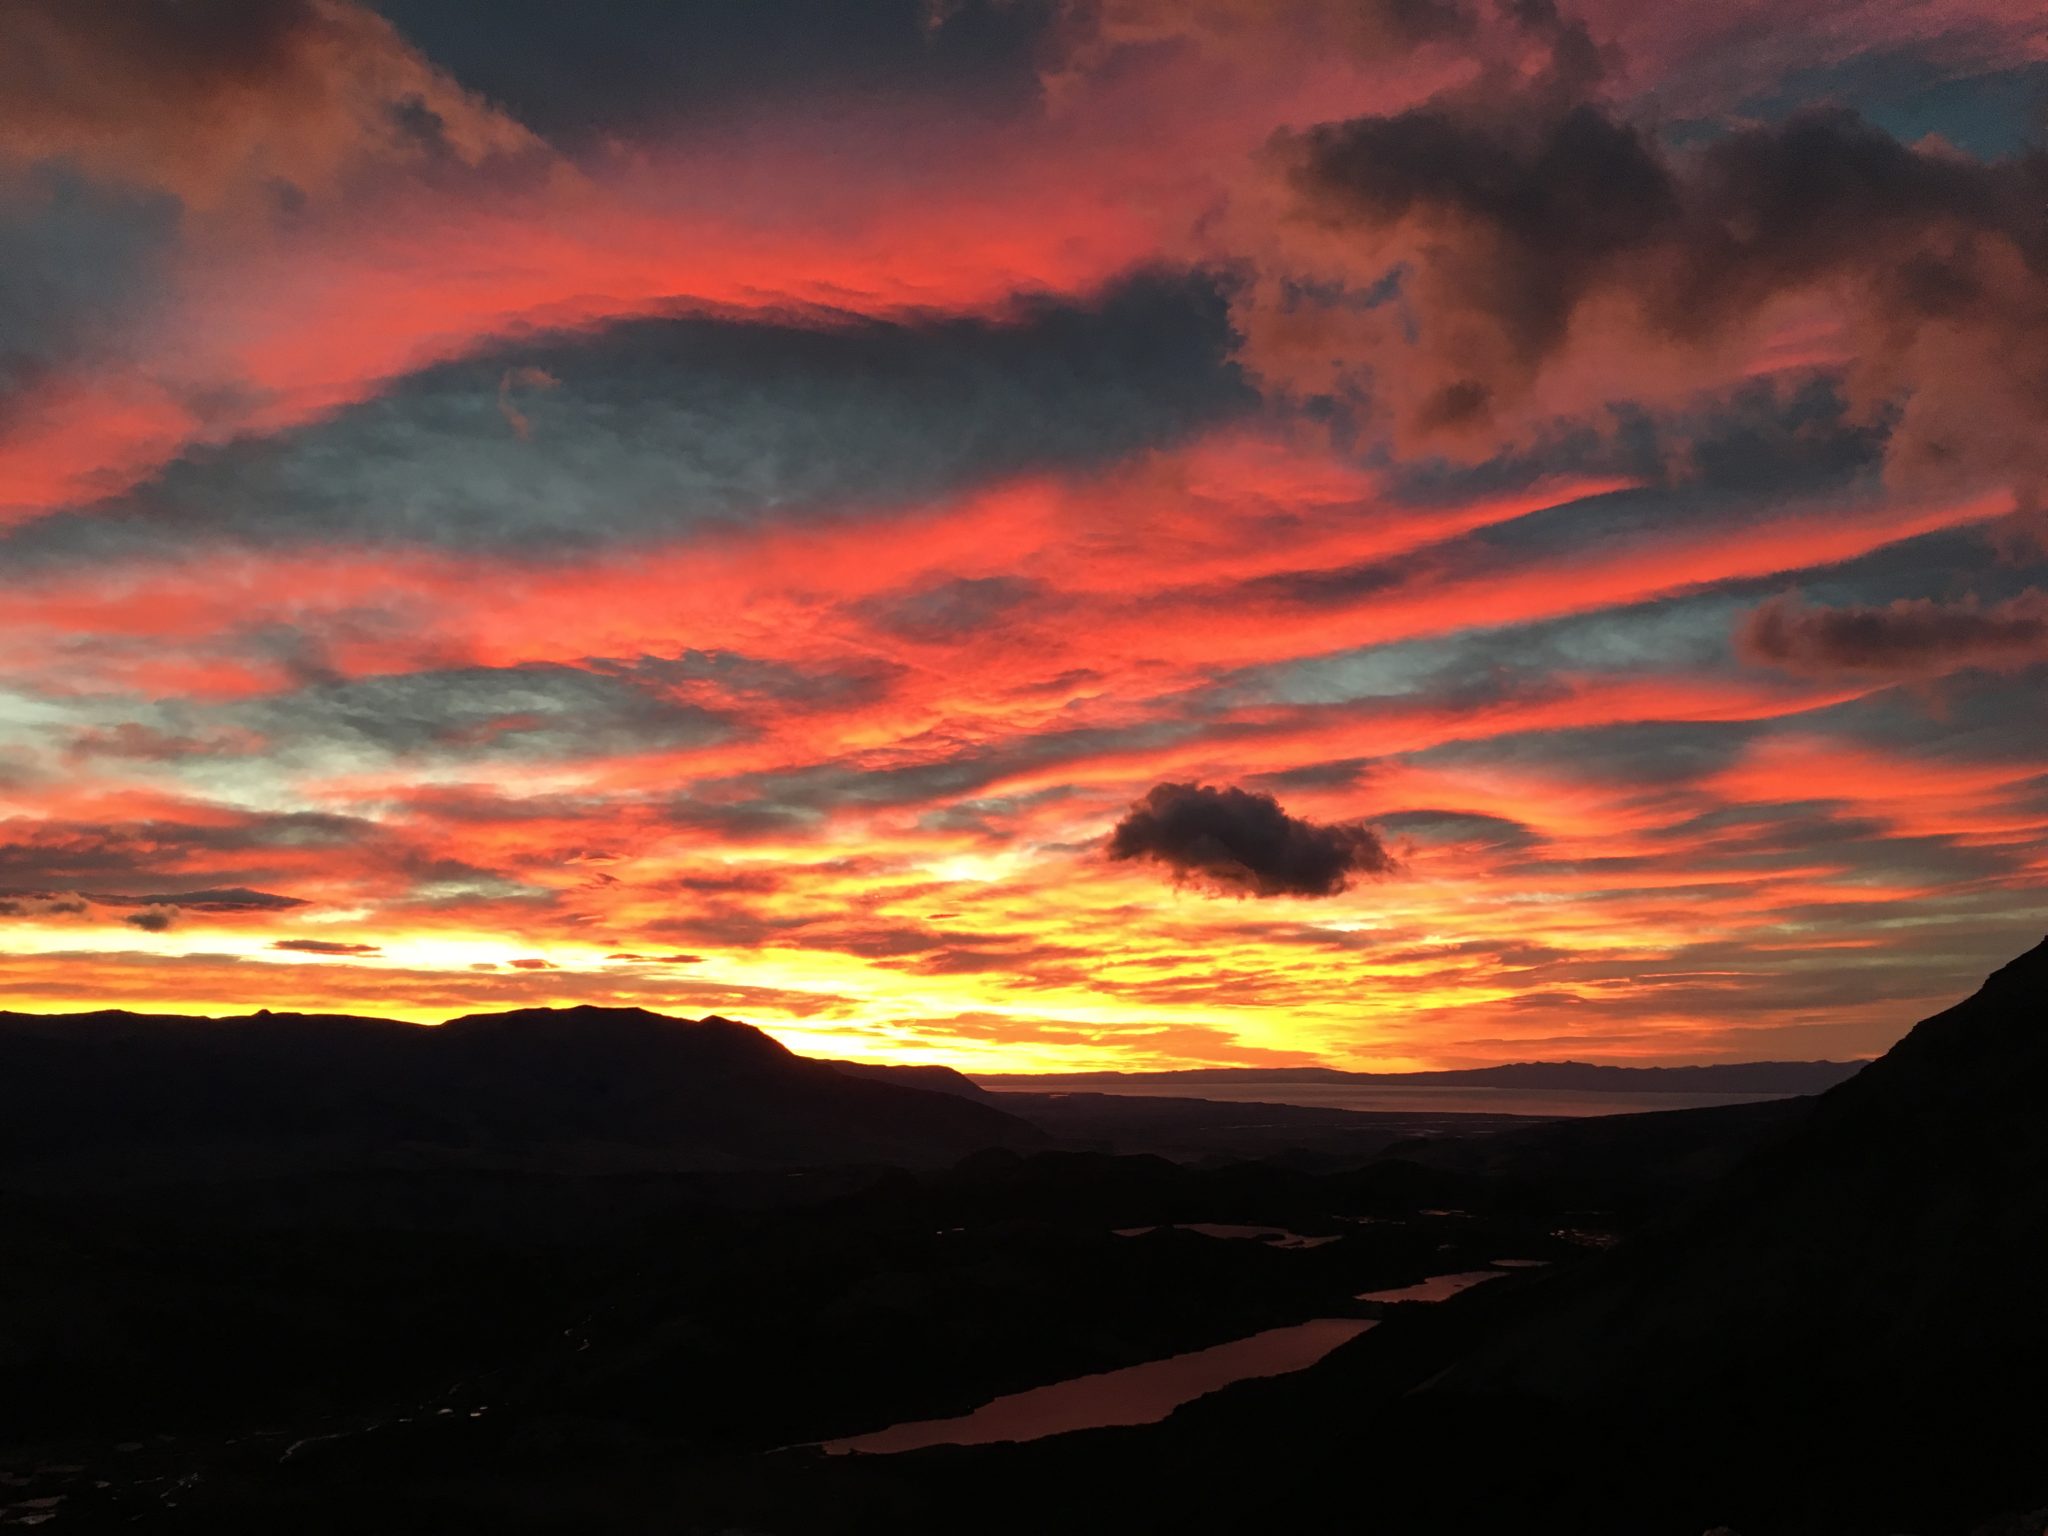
(588, 1271)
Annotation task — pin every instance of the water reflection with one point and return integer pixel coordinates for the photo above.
(1273, 1237)
(1138, 1394)
(1436, 1287)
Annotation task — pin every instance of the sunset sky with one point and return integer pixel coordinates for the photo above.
(1032, 534)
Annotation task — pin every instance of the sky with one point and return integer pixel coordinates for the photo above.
(1030, 534)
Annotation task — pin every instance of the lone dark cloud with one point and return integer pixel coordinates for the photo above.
(1240, 843)
(1905, 639)
(324, 947)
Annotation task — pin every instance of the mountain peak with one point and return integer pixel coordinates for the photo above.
(585, 1020)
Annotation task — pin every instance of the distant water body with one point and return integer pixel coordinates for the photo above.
(1548, 1103)
(1437, 1287)
(1137, 1394)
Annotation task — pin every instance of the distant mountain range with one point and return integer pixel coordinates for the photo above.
(1768, 1077)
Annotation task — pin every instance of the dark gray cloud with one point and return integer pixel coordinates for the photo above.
(1730, 462)
(1469, 828)
(324, 947)
(1648, 757)
(536, 708)
(577, 73)
(729, 674)
(541, 709)
(158, 858)
(157, 907)
(1240, 843)
(660, 428)
(1561, 202)
(41, 904)
(75, 265)
(951, 611)
(1533, 233)
(784, 799)
(1909, 638)
(1343, 773)
(223, 899)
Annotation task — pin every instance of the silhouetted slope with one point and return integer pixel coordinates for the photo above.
(1902, 1227)
(1626, 1164)
(1844, 1335)
(938, 1079)
(563, 1083)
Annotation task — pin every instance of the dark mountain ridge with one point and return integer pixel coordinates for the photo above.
(570, 1083)
(581, 1087)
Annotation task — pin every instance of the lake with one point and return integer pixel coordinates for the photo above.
(1444, 1287)
(1272, 1237)
(1549, 1103)
(1137, 1394)
(1436, 1287)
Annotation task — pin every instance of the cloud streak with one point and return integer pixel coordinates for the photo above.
(1913, 637)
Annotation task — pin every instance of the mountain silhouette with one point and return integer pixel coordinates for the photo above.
(618, 1085)
(1903, 1224)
